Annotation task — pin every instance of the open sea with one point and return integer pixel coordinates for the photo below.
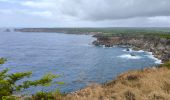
(72, 56)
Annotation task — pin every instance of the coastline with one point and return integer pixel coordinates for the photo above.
(150, 83)
(157, 43)
(130, 83)
(145, 84)
(160, 47)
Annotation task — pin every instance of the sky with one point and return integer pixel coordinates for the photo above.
(84, 13)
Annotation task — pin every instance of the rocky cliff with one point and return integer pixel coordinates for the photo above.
(160, 47)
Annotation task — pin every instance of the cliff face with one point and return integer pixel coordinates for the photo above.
(159, 46)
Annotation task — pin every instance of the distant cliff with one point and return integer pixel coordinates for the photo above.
(159, 46)
(84, 31)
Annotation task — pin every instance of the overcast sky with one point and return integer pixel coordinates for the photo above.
(84, 13)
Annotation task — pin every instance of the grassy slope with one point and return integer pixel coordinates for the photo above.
(148, 84)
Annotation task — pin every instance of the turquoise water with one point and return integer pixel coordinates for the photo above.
(72, 56)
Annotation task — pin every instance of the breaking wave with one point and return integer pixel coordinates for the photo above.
(151, 56)
(128, 56)
(130, 50)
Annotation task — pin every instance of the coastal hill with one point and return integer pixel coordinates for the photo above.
(152, 83)
(157, 43)
(155, 40)
(147, 84)
(113, 30)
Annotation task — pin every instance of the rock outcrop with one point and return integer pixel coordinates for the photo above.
(160, 47)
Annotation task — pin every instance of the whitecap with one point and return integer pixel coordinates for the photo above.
(128, 56)
(140, 51)
(150, 53)
(151, 56)
(130, 50)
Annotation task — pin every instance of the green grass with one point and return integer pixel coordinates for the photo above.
(137, 34)
(167, 36)
(166, 64)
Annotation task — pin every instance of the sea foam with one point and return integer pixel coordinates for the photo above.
(128, 56)
(130, 50)
(151, 56)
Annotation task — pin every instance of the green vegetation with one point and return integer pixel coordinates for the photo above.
(122, 31)
(2, 60)
(165, 36)
(137, 34)
(166, 64)
(8, 83)
(110, 31)
(48, 96)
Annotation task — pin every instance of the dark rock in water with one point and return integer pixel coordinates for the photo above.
(127, 49)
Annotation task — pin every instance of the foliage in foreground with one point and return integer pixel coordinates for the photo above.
(48, 96)
(8, 84)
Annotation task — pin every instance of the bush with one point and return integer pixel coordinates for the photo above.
(48, 95)
(8, 82)
(2, 60)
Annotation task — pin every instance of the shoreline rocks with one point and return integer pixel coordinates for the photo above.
(160, 47)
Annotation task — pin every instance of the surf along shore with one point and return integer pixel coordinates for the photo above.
(147, 84)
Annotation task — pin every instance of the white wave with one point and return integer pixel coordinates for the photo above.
(158, 62)
(140, 51)
(104, 46)
(151, 56)
(150, 53)
(130, 50)
(128, 56)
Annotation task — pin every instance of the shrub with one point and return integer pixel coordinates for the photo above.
(2, 60)
(8, 82)
(48, 95)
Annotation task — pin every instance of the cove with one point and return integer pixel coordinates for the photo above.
(72, 56)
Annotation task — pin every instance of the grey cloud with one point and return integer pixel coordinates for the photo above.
(115, 9)
(87, 13)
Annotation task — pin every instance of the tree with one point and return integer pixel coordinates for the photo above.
(8, 81)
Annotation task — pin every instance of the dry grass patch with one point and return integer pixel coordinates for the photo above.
(147, 84)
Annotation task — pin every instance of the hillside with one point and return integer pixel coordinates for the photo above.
(148, 84)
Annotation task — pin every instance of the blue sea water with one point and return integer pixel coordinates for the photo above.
(72, 56)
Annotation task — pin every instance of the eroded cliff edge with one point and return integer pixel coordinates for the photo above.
(160, 47)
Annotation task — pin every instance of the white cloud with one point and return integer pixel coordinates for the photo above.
(5, 11)
(4, 0)
(38, 4)
(94, 12)
(46, 14)
(160, 19)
